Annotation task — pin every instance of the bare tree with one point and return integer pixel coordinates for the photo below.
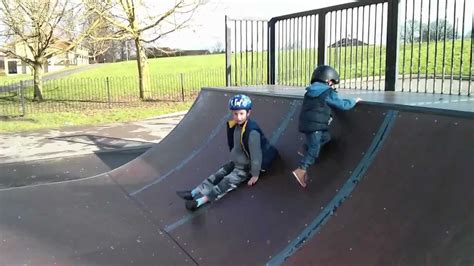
(134, 20)
(37, 30)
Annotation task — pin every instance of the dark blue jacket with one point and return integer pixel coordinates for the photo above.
(269, 153)
(316, 109)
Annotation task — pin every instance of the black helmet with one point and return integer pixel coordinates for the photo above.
(323, 73)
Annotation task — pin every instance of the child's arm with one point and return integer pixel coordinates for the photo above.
(255, 150)
(344, 104)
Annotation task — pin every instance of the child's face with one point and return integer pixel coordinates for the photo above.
(240, 116)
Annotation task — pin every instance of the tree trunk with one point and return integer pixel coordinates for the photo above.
(38, 81)
(143, 71)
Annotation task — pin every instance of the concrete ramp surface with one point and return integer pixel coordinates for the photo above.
(393, 187)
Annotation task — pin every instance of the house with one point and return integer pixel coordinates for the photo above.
(11, 65)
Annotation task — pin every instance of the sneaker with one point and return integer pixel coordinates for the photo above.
(185, 194)
(191, 205)
(300, 175)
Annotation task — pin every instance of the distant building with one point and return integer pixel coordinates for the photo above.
(10, 65)
(347, 42)
(156, 52)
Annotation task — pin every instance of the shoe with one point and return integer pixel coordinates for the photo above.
(191, 205)
(185, 194)
(300, 175)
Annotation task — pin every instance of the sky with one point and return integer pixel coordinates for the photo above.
(208, 24)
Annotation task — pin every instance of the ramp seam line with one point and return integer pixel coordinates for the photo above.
(343, 193)
(275, 137)
(214, 133)
(148, 215)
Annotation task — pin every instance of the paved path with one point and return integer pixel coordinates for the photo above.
(71, 141)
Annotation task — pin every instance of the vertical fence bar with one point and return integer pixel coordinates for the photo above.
(246, 54)
(420, 40)
(357, 49)
(391, 67)
(452, 49)
(340, 43)
(462, 47)
(241, 54)
(301, 51)
(297, 50)
(293, 51)
(412, 44)
(315, 41)
(311, 50)
(470, 64)
(108, 92)
(362, 50)
(345, 50)
(321, 38)
(352, 44)
(404, 43)
(368, 49)
(375, 47)
(330, 59)
(381, 46)
(444, 45)
(307, 50)
(263, 52)
(228, 54)
(428, 43)
(277, 52)
(251, 53)
(182, 86)
(436, 46)
(257, 68)
(21, 90)
(271, 52)
(287, 54)
(235, 53)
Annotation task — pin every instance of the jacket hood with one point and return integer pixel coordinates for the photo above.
(316, 89)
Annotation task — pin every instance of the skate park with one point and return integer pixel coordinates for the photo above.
(393, 187)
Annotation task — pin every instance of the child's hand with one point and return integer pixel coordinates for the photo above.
(358, 99)
(252, 181)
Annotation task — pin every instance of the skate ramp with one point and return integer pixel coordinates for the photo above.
(131, 215)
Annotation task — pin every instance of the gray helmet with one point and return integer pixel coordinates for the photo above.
(323, 73)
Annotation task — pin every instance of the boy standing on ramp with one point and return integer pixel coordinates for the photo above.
(250, 153)
(316, 115)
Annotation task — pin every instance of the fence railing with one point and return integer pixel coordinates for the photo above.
(75, 94)
(247, 57)
(392, 45)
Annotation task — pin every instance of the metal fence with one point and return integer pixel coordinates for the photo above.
(247, 59)
(76, 94)
(406, 45)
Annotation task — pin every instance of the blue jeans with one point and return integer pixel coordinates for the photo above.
(314, 142)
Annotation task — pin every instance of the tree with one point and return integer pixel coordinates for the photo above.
(410, 31)
(133, 21)
(436, 30)
(218, 47)
(37, 30)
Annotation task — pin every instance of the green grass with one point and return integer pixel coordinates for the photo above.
(296, 65)
(6, 80)
(158, 67)
(88, 117)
